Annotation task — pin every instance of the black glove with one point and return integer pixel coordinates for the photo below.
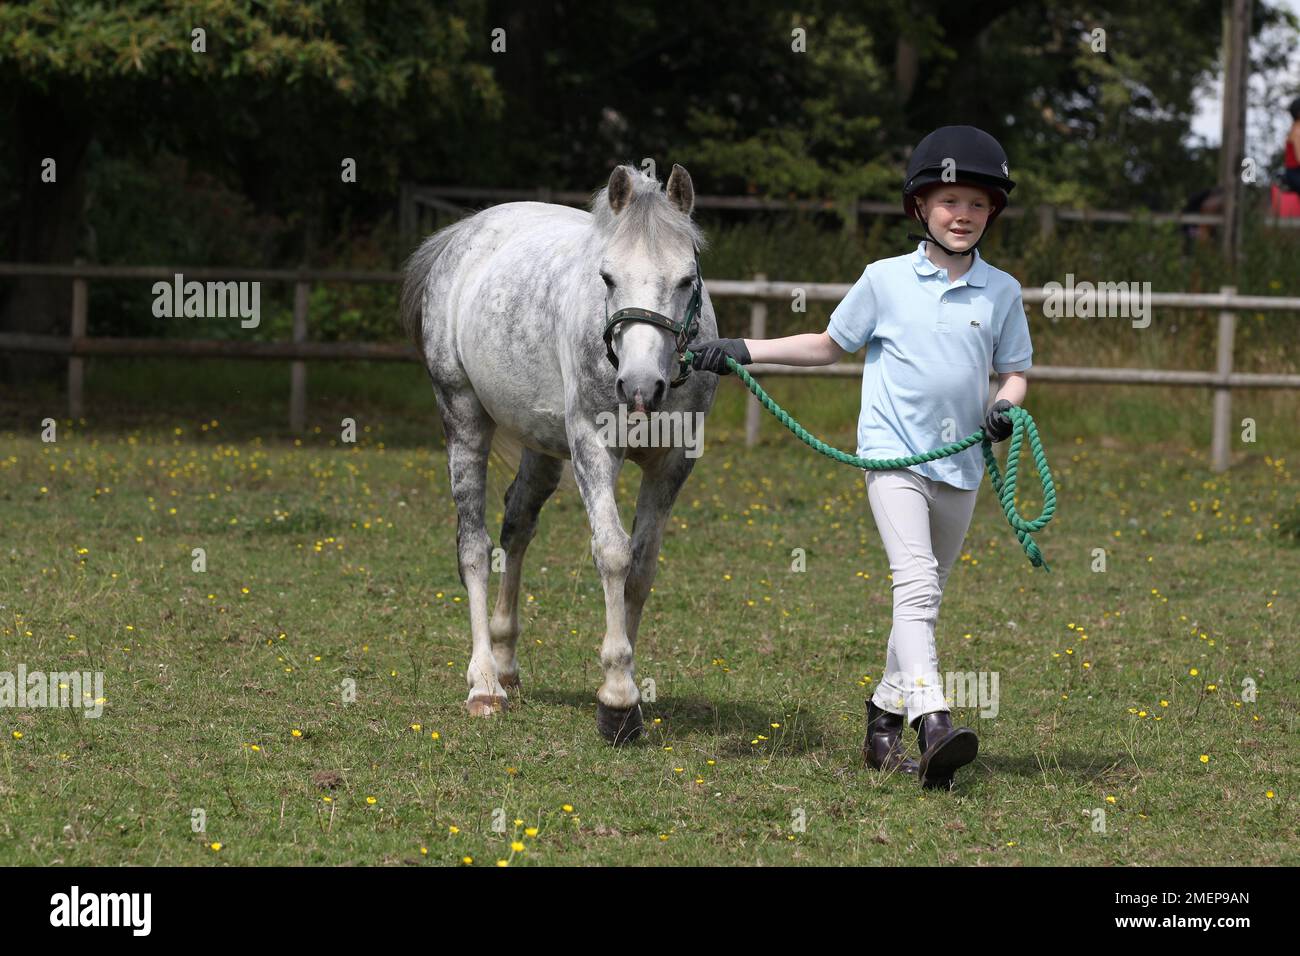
(711, 355)
(996, 425)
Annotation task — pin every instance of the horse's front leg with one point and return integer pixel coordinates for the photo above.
(661, 480)
(596, 468)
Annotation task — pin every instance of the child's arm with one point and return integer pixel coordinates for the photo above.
(852, 321)
(1012, 349)
(809, 348)
(1012, 386)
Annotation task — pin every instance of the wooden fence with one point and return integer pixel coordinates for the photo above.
(413, 197)
(758, 291)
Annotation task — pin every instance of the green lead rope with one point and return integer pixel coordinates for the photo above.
(1005, 487)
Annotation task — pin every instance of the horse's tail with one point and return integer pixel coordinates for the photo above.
(508, 451)
(416, 279)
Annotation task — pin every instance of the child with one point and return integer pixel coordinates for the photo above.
(933, 321)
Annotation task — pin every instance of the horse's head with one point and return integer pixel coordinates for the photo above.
(649, 267)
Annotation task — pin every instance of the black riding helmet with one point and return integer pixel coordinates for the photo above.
(977, 160)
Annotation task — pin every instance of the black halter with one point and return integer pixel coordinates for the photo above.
(683, 331)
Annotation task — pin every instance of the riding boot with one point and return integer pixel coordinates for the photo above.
(944, 748)
(882, 748)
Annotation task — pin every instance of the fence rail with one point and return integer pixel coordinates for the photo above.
(439, 197)
(77, 346)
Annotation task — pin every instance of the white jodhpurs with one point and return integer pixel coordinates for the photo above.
(922, 523)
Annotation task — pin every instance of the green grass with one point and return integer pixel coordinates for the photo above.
(347, 555)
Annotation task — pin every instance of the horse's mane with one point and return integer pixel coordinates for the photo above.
(648, 216)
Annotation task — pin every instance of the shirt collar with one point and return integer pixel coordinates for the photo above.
(977, 275)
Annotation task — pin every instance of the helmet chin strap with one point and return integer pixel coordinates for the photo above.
(928, 237)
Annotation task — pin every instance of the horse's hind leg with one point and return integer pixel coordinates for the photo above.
(537, 479)
(468, 430)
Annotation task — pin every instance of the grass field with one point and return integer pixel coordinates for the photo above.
(1120, 692)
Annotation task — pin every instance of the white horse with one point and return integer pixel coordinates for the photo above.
(510, 309)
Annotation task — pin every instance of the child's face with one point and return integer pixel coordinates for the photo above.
(957, 214)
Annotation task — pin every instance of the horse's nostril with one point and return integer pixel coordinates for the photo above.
(660, 387)
(618, 390)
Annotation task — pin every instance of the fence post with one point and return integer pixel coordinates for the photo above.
(76, 364)
(849, 214)
(1047, 221)
(1221, 442)
(298, 369)
(757, 330)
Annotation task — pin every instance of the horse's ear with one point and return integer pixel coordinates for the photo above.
(681, 192)
(619, 193)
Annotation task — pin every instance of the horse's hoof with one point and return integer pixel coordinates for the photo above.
(485, 705)
(619, 726)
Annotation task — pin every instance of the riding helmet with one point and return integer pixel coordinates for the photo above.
(978, 160)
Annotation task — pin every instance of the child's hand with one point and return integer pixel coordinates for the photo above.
(996, 425)
(711, 355)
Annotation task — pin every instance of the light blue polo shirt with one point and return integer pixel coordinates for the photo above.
(930, 344)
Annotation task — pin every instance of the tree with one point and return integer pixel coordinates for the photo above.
(272, 96)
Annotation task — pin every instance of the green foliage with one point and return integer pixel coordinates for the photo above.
(206, 221)
(816, 142)
(283, 93)
(353, 313)
(362, 52)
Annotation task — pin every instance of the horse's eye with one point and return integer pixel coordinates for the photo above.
(686, 283)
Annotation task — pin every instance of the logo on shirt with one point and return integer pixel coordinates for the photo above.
(975, 323)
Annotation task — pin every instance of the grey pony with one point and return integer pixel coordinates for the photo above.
(507, 308)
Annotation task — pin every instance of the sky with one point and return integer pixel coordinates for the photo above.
(1265, 127)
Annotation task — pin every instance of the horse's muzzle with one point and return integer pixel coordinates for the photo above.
(642, 393)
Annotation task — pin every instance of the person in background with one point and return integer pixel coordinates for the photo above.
(1291, 170)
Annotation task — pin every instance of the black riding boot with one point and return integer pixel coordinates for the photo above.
(944, 748)
(882, 748)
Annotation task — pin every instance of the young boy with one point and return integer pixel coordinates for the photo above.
(933, 322)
